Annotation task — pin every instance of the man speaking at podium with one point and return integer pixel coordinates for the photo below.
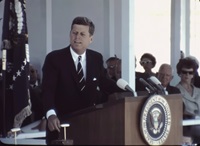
(73, 78)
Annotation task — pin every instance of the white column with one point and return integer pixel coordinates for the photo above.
(111, 28)
(48, 26)
(185, 26)
(128, 53)
(175, 36)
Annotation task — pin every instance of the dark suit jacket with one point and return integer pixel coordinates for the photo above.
(172, 90)
(60, 82)
(138, 85)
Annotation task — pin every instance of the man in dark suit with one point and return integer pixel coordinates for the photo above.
(165, 75)
(60, 86)
(35, 94)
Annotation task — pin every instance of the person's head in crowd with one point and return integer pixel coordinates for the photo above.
(148, 62)
(34, 76)
(118, 69)
(81, 34)
(111, 67)
(165, 74)
(186, 69)
(194, 59)
(196, 79)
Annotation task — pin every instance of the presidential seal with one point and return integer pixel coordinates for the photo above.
(155, 120)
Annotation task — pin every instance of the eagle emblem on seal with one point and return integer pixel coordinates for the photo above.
(156, 120)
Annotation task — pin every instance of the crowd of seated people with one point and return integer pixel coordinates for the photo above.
(188, 87)
(186, 69)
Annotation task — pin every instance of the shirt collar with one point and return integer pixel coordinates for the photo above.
(34, 85)
(75, 55)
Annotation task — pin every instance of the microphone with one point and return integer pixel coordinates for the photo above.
(154, 81)
(147, 86)
(121, 83)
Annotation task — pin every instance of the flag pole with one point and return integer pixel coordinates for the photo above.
(3, 92)
(5, 46)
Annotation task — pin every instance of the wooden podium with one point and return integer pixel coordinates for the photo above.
(117, 122)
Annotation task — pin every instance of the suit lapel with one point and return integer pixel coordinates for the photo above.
(70, 63)
(88, 66)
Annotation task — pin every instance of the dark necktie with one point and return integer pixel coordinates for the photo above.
(80, 75)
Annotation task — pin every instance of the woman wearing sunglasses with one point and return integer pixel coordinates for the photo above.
(191, 96)
(148, 62)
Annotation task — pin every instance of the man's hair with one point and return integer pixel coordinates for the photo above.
(84, 21)
(166, 65)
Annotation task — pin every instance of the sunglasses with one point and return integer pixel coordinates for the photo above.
(145, 62)
(187, 72)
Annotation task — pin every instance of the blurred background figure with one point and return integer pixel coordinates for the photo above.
(118, 69)
(165, 75)
(35, 95)
(111, 67)
(196, 79)
(34, 76)
(138, 85)
(35, 92)
(148, 62)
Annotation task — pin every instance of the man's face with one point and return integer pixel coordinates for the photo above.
(165, 76)
(33, 74)
(186, 74)
(146, 63)
(80, 38)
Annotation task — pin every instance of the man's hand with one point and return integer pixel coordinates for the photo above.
(53, 123)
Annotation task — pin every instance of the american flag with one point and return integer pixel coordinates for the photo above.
(15, 64)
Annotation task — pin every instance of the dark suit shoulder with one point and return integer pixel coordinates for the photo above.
(58, 52)
(89, 51)
(173, 90)
(141, 75)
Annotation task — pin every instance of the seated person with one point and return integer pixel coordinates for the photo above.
(34, 77)
(117, 73)
(196, 79)
(165, 75)
(186, 69)
(138, 85)
(35, 92)
(110, 67)
(36, 101)
(148, 62)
